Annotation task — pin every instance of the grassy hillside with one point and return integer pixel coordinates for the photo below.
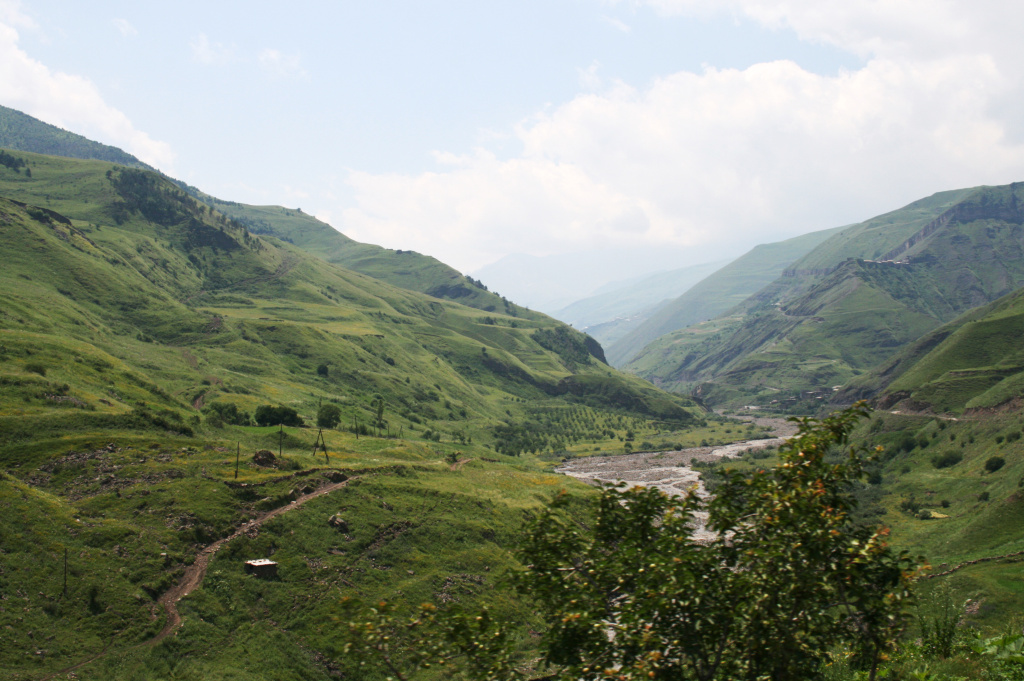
(813, 330)
(937, 490)
(974, 363)
(140, 332)
(717, 293)
(178, 273)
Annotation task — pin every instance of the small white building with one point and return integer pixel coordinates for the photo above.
(261, 567)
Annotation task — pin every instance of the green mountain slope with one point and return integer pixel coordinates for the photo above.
(405, 269)
(714, 295)
(818, 327)
(140, 330)
(133, 255)
(24, 133)
(975, 362)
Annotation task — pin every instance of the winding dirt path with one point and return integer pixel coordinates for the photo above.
(194, 574)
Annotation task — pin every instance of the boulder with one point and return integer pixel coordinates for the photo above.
(264, 457)
(338, 523)
(336, 476)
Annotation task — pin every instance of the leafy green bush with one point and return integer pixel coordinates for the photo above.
(266, 415)
(227, 412)
(947, 460)
(994, 463)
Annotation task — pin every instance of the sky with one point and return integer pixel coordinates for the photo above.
(475, 131)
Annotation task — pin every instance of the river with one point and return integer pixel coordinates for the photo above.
(670, 471)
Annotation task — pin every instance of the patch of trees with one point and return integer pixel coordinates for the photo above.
(227, 412)
(267, 415)
(947, 459)
(552, 428)
(15, 163)
(144, 192)
(569, 345)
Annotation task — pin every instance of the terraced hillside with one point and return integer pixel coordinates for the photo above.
(835, 314)
(97, 251)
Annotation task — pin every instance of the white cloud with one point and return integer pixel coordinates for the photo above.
(281, 65)
(11, 14)
(617, 24)
(726, 155)
(214, 54)
(125, 28)
(69, 101)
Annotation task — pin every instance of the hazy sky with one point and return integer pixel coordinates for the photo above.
(471, 130)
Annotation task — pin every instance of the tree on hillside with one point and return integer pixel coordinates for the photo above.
(328, 416)
(633, 593)
(378, 404)
(266, 415)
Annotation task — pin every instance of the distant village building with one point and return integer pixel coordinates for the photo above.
(261, 567)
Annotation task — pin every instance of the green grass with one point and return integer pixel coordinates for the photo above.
(976, 526)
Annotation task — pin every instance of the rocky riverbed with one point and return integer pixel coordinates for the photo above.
(671, 471)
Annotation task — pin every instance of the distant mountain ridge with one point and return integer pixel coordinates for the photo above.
(836, 313)
(717, 293)
(616, 308)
